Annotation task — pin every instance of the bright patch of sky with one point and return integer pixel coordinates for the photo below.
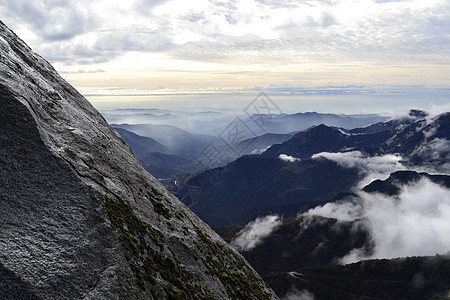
(348, 49)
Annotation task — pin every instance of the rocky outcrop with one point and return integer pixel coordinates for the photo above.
(81, 218)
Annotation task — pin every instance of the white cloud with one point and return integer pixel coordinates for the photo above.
(259, 151)
(371, 167)
(416, 223)
(435, 149)
(402, 115)
(435, 110)
(145, 6)
(343, 210)
(326, 30)
(52, 19)
(295, 294)
(288, 158)
(255, 232)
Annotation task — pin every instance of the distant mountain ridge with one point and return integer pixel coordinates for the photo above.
(155, 157)
(284, 123)
(260, 143)
(264, 184)
(214, 123)
(392, 185)
(326, 139)
(196, 147)
(140, 144)
(176, 140)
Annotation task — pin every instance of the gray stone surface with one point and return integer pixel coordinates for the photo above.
(81, 218)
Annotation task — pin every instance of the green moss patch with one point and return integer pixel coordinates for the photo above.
(240, 283)
(147, 263)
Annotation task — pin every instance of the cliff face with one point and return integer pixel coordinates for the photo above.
(81, 218)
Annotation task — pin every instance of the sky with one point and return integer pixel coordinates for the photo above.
(324, 55)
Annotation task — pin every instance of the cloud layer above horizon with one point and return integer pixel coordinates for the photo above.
(219, 30)
(215, 30)
(209, 44)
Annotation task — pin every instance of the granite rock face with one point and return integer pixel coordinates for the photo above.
(80, 217)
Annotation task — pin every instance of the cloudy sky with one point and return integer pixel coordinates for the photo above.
(377, 53)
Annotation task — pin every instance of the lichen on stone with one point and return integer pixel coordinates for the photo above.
(150, 265)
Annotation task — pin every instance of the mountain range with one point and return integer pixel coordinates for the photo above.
(177, 141)
(316, 205)
(304, 253)
(403, 278)
(291, 177)
(155, 157)
(214, 123)
(183, 152)
(293, 123)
